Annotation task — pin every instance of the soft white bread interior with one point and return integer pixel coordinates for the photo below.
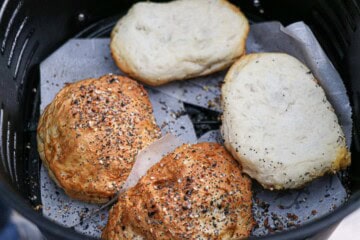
(278, 123)
(161, 42)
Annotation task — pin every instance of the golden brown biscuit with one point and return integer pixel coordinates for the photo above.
(90, 134)
(196, 192)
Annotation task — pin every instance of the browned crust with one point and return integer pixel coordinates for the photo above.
(126, 68)
(90, 134)
(187, 195)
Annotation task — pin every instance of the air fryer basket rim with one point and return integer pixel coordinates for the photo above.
(305, 230)
(17, 202)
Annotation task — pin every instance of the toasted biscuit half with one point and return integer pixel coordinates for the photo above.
(89, 135)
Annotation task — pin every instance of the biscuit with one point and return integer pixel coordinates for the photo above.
(196, 192)
(161, 42)
(278, 123)
(89, 135)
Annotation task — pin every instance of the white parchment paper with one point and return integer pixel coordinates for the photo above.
(274, 211)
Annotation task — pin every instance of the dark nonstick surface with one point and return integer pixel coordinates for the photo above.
(31, 30)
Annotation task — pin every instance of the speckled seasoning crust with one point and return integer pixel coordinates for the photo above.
(196, 192)
(90, 134)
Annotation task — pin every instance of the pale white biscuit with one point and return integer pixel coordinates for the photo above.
(161, 42)
(278, 123)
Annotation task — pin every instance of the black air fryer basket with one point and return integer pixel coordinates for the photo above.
(30, 30)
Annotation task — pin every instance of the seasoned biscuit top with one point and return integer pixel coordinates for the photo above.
(196, 192)
(90, 134)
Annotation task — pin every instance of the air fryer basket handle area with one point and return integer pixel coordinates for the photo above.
(30, 30)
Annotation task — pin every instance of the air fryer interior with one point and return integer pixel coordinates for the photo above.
(31, 30)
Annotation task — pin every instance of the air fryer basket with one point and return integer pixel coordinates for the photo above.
(31, 30)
